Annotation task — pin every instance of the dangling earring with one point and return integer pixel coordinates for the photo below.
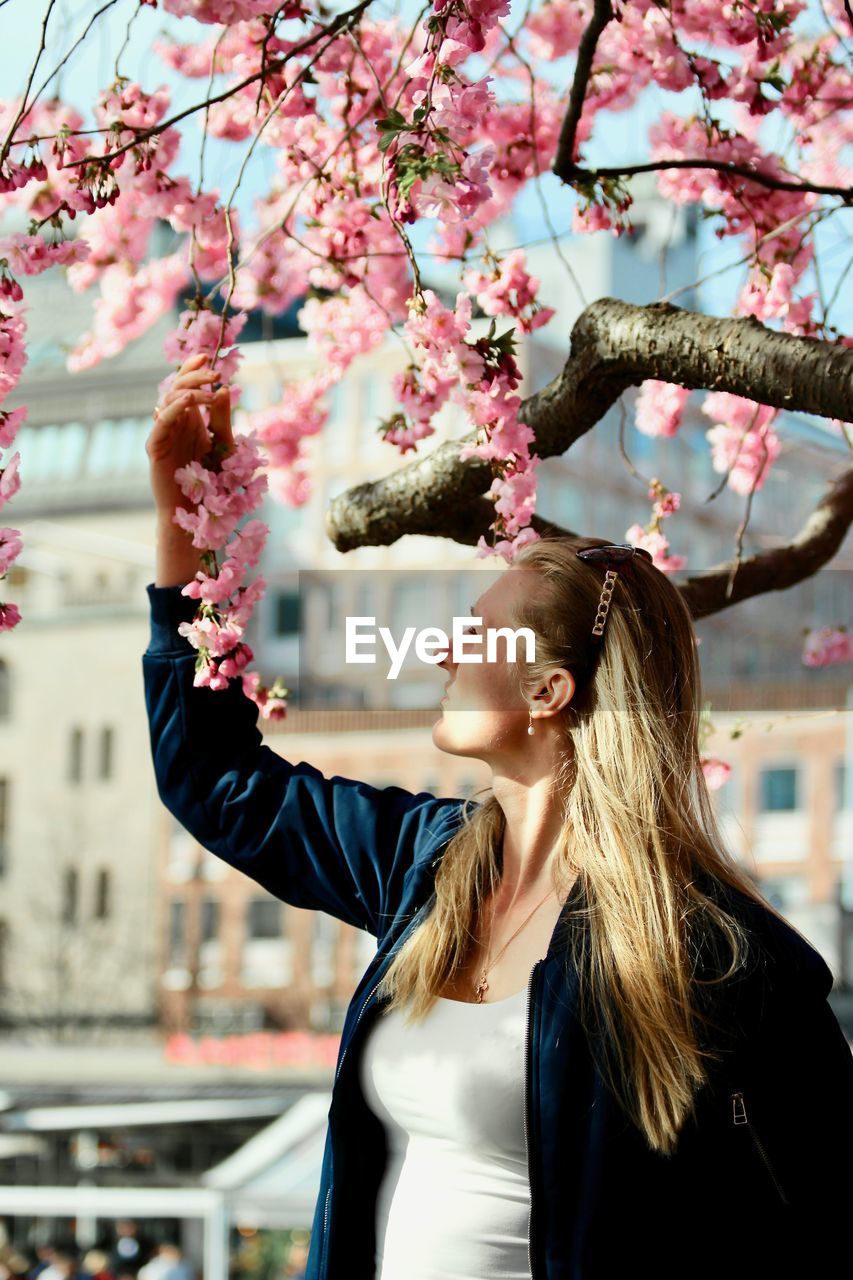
(530, 721)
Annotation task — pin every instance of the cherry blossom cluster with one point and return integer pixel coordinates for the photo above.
(223, 489)
(651, 536)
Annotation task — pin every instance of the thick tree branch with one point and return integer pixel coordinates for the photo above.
(616, 345)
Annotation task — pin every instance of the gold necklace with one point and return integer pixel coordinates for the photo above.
(483, 986)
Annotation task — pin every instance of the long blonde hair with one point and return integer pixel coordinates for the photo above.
(639, 831)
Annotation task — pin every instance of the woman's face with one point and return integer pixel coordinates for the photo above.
(484, 713)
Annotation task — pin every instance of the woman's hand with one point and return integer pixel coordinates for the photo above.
(179, 435)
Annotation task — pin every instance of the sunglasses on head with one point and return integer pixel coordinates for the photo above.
(613, 553)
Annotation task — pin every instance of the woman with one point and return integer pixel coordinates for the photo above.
(659, 1081)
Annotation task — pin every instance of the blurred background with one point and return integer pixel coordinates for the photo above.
(168, 1031)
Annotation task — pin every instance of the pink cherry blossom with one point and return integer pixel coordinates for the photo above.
(10, 479)
(10, 548)
(657, 544)
(716, 771)
(130, 302)
(555, 29)
(828, 646)
(30, 255)
(10, 616)
(743, 442)
(659, 407)
(510, 291)
(10, 420)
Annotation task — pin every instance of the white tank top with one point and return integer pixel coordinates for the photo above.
(454, 1203)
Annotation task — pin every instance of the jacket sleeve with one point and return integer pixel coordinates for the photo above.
(329, 844)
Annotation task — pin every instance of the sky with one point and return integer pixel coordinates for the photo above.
(619, 137)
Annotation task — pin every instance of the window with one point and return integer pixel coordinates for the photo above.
(4, 823)
(183, 852)
(263, 918)
(778, 790)
(323, 950)
(210, 915)
(75, 756)
(4, 955)
(105, 760)
(177, 931)
(5, 692)
(70, 895)
(102, 894)
(287, 613)
(365, 599)
(839, 792)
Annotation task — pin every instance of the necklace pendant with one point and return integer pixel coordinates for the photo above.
(482, 988)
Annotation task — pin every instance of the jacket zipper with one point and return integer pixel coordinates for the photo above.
(408, 929)
(325, 1231)
(739, 1116)
(528, 1047)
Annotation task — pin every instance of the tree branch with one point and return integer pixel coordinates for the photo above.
(565, 158)
(573, 173)
(782, 567)
(616, 345)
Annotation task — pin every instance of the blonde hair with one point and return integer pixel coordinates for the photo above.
(639, 832)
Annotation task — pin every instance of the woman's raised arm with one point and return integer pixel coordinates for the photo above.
(331, 844)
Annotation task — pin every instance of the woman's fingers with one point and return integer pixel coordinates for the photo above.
(193, 381)
(193, 362)
(220, 417)
(187, 396)
(194, 377)
(169, 415)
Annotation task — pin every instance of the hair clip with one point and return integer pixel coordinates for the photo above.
(614, 553)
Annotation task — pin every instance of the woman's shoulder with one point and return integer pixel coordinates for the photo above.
(777, 961)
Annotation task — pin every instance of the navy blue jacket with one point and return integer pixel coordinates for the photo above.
(761, 1173)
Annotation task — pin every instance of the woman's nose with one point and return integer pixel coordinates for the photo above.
(446, 661)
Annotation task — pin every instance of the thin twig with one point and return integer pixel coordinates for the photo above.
(25, 107)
